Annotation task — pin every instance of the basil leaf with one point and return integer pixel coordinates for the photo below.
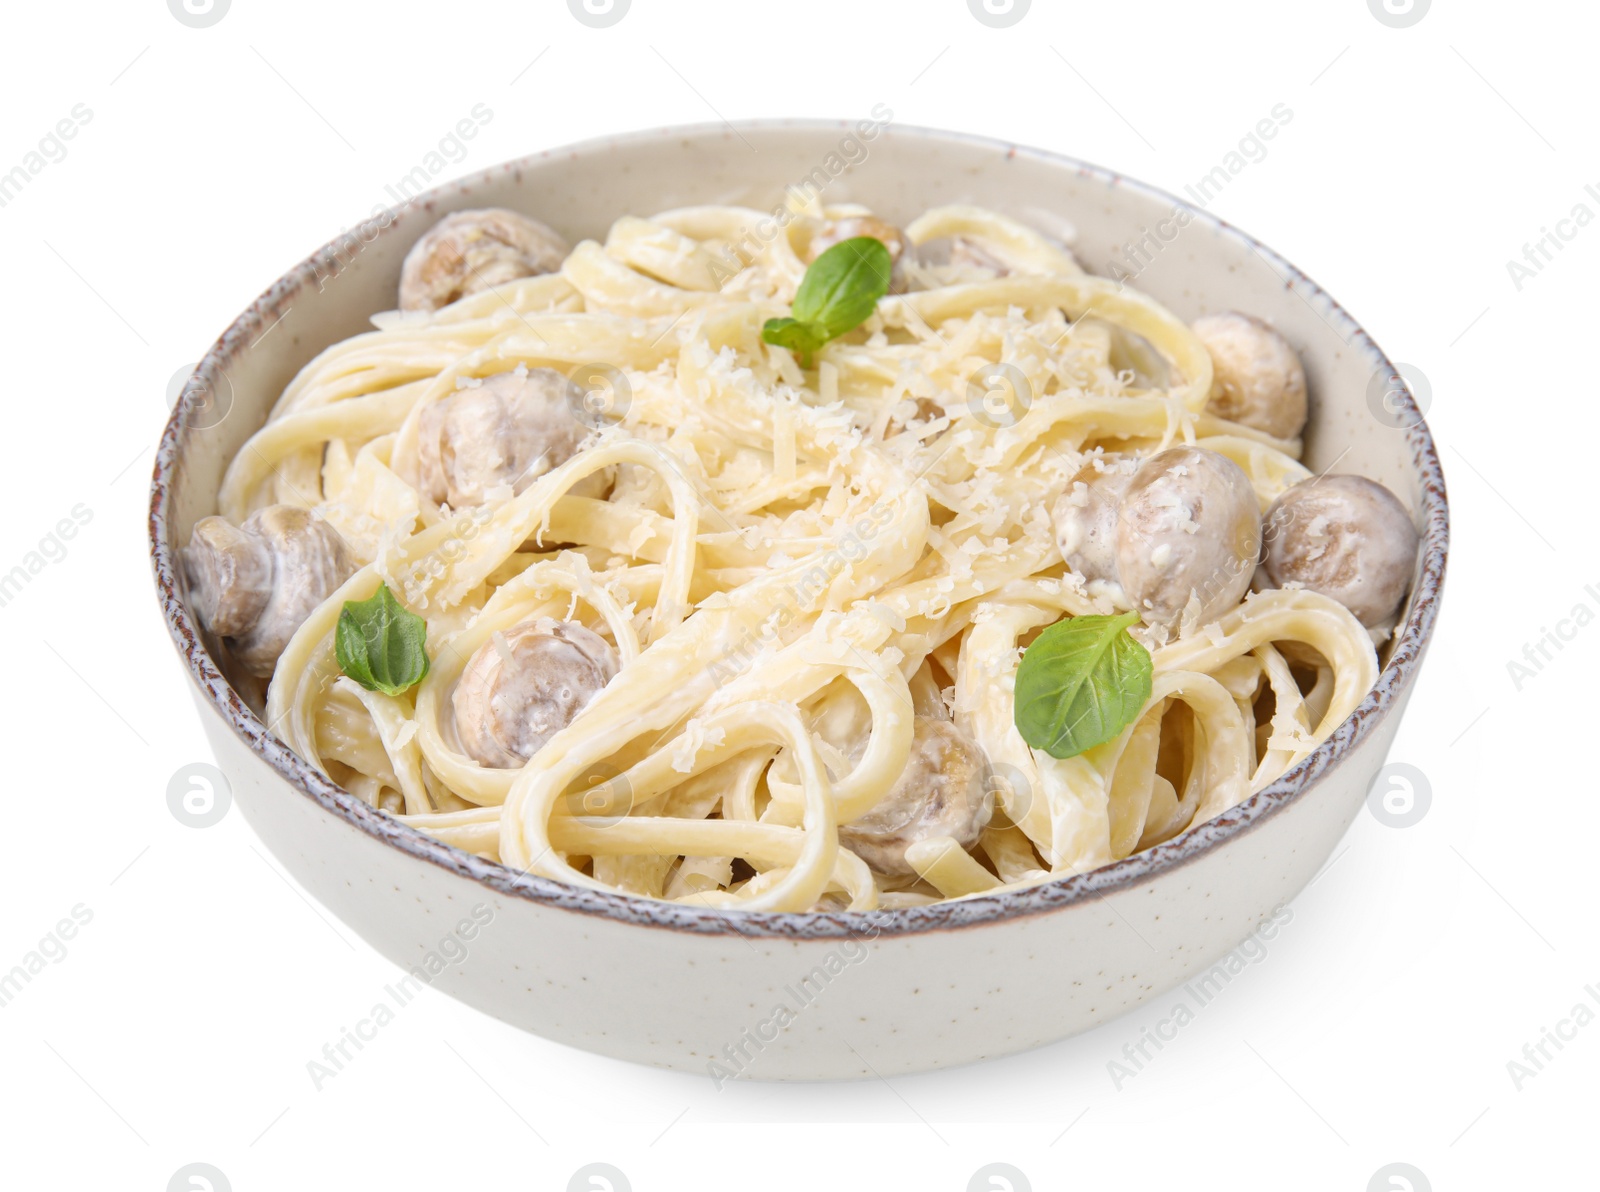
(1081, 682)
(800, 338)
(380, 644)
(838, 293)
(842, 287)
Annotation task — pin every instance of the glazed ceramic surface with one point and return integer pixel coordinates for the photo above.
(775, 996)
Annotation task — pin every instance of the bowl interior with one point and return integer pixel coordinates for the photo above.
(1190, 261)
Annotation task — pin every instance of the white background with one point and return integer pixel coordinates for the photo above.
(1378, 1029)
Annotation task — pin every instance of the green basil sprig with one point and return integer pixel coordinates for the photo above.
(838, 293)
(1081, 682)
(380, 644)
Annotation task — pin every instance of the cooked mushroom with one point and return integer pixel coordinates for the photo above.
(254, 584)
(1188, 536)
(969, 254)
(525, 685)
(1257, 379)
(471, 251)
(966, 258)
(1347, 537)
(921, 410)
(941, 792)
(836, 231)
(1085, 518)
(503, 433)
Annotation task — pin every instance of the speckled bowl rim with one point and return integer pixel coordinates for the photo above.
(1396, 678)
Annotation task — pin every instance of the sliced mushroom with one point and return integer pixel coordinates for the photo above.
(1346, 537)
(1085, 518)
(1257, 378)
(503, 433)
(941, 792)
(253, 585)
(1188, 536)
(525, 685)
(471, 251)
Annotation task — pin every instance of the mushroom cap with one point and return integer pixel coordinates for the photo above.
(469, 251)
(503, 433)
(230, 576)
(255, 585)
(1189, 529)
(1085, 518)
(941, 792)
(1257, 378)
(525, 685)
(1346, 537)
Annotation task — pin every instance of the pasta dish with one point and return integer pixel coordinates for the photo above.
(805, 565)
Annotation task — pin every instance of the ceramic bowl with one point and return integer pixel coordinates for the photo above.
(782, 996)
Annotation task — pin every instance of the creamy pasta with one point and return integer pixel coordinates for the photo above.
(709, 622)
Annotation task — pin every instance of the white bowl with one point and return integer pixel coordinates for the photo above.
(780, 996)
